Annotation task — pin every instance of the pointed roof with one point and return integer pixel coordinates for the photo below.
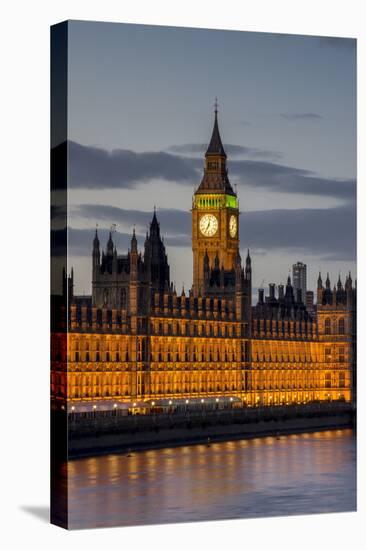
(110, 244)
(134, 241)
(96, 239)
(216, 147)
(215, 178)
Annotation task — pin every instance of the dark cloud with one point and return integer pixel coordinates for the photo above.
(94, 168)
(287, 179)
(90, 167)
(173, 221)
(327, 233)
(232, 150)
(301, 116)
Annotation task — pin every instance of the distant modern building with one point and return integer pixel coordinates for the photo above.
(299, 279)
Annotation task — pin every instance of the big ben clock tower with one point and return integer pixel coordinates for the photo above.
(215, 214)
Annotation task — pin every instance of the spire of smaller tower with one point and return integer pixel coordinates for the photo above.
(289, 280)
(327, 282)
(154, 225)
(96, 239)
(248, 258)
(134, 242)
(206, 262)
(110, 244)
(238, 260)
(320, 281)
(339, 283)
(217, 262)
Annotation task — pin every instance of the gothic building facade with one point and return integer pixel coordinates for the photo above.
(137, 343)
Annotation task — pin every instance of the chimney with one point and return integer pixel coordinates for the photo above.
(260, 296)
(272, 291)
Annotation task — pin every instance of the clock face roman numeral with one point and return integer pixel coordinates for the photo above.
(208, 225)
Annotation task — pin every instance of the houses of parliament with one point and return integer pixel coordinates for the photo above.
(137, 343)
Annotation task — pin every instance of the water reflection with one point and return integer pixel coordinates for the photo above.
(295, 474)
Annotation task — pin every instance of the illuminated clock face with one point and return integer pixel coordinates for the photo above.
(233, 226)
(208, 225)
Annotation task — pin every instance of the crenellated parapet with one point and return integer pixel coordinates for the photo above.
(282, 316)
(168, 304)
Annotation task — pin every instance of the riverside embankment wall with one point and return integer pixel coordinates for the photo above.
(106, 434)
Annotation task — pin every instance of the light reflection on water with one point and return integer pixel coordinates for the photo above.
(295, 474)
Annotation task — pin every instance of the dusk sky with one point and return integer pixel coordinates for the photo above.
(141, 115)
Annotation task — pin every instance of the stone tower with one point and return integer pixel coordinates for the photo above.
(215, 215)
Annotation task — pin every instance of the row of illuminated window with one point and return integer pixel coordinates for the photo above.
(281, 327)
(224, 330)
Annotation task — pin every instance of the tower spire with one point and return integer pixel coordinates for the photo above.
(215, 146)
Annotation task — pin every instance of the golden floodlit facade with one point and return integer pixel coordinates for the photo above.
(136, 343)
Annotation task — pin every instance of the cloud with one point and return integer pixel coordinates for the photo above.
(231, 149)
(329, 233)
(287, 179)
(301, 116)
(326, 233)
(176, 222)
(94, 168)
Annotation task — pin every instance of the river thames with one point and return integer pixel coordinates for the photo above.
(269, 476)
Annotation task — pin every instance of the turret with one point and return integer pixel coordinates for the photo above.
(327, 282)
(133, 243)
(281, 294)
(96, 254)
(248, 267)
(110, 245)
(155, 258)
(339, 283)
(217, 262)
(319, 291)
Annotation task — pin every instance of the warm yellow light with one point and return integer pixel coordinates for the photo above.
(153, 403)
(115, 405)
(231, 398)
(202, 400)
(217, 399)
(170, 402)
(72, 408)
(135, 404)
(94, 406)
(187, 400)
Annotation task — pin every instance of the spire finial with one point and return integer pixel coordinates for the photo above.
(216, 106)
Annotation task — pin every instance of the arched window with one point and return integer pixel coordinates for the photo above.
(341, 326)
(327, 326)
